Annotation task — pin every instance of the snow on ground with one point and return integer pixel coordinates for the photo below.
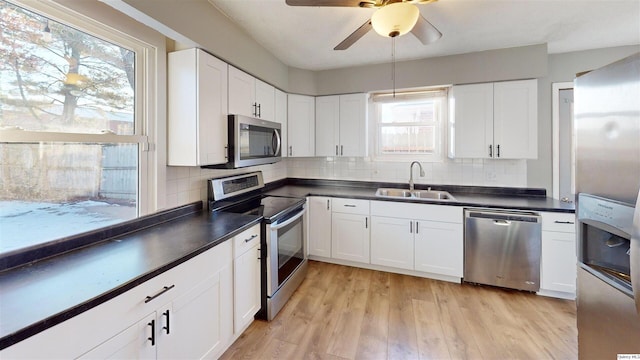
(24, 223)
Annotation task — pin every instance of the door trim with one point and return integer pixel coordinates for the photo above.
(555, 146)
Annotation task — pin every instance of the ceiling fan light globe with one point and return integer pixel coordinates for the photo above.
(395, 19)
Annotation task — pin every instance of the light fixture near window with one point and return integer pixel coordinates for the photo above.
(395, 19)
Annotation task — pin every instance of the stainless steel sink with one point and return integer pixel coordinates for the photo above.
(415, 194)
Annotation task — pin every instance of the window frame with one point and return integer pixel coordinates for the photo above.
(145, 93)
(408, 95)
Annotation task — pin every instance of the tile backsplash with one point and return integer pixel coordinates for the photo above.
(478, 172)
(188, 184)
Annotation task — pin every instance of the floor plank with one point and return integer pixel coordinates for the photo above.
(342, 312)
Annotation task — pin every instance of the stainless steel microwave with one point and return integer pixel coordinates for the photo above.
(252, 142)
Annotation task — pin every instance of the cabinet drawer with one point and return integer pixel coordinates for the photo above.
(350, 206)
(246, 240)
(562, 222)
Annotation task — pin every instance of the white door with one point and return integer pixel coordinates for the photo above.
(558, 261)
(515, 119)
(327, 125)
(281, 117)
(439, 248)
(319, 226)
(212, 110)
(265, 100)
(136, 342)
(353, 125)
(392, 242)
(471, 120)
(242, 93)
(350, 237)
(301, 128)
(246, 270)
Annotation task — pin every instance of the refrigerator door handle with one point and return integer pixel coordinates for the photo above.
(635, 255)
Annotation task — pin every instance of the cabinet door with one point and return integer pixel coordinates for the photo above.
(319, 226)
(350, 237)
(471, 120)
(212, 110)
(198, 324)
(242, 93)
(301, 126)
(515, 119)
(392, 242)
(196, 109)
(246, 290)
(132, 343)
(439, 248)
(353, 125)
(327, 125)
(265, 100)
(558, 262)
(281, 117)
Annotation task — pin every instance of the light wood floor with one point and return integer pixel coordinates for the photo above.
(341, 312)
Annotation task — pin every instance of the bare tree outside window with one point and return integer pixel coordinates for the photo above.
(55, 78)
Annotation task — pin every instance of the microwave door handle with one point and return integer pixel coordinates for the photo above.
(289, 221)
(276, 136)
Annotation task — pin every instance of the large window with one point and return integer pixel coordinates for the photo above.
(410, 125)
(72, 130)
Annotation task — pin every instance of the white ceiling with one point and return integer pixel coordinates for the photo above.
(304, 37)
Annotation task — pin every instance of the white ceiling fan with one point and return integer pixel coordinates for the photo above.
(393, 18)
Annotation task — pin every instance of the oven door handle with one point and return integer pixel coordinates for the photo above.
(289, 221)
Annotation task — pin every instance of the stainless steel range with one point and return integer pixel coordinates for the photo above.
(284, 263)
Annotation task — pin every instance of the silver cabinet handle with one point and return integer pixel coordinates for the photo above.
(341, 150)
(328, 205)
(411, 227)
(498, 151)
(259, 111)
(336, 150)
(366, 222)
(490, 150)
(564, 222)
(349, 205)
(290, 150)
(417, 228)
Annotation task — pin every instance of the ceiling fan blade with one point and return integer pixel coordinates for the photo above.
(349, 3)
(425, 31)
(355, 36)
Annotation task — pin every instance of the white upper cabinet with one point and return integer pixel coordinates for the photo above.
(300, 125)
(281, 117)
(249, 96)
(197, 109)
(494, 120)
(341, 125)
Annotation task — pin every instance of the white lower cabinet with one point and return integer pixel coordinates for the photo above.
(558, 263)
(319, 236)
(246, 279)
(186, 312)
(439, 248)
(404, 236)
(350, 230)
(392, 242)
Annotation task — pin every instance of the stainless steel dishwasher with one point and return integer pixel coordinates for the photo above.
(502, 248)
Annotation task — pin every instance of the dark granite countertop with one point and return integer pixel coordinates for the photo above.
(45, 292)
(468, 196)
(40, 294)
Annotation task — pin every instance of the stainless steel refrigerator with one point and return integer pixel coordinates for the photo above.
(607, 129)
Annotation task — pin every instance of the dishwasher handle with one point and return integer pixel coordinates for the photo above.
(503, 218)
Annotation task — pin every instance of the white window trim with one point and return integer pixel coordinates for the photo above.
(440, 146)
(149, 117)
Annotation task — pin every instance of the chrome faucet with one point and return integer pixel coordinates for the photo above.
(411, 174)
